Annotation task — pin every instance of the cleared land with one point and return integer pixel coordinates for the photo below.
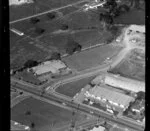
(70, 89)
(43, 115)
(91, 58)
(17, 12)
(133, 66)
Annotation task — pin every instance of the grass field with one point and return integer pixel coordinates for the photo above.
(133, 66)
(90, 58)
(38, 47)
(132, 17)
(70, 89)
(17, 12)
(44, 115)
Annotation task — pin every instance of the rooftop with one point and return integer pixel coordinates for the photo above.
(49, 66)
(111, 96)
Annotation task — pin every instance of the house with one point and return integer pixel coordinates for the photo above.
(19, 2)
(108, 98)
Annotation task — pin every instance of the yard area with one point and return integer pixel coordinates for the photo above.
(43, 115)
(91, 58)
(70, 89)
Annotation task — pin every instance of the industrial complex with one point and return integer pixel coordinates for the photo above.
(77, 65)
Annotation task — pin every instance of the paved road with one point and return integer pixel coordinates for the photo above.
(56, 9)
(81, 107)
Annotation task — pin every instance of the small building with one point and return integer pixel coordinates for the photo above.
(109, 99)
(138, 106)
(19, 2)
(54, 67)
(100, 128)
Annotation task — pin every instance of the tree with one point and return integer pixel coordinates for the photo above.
(140, 95)
(110, 4)
(135, 3)
(28, 113)
(32, 125)
(64, 27)
(55, 56)
(106, 19)
(72, 46)
(123, 8)
(51, 15)
(34, 20)
(30, 63)
(39, 30)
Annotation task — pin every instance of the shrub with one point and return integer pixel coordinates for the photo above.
(34, 20)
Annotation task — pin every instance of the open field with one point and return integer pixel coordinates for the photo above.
(33, 46)
(91, 58)
(43, 115)
(132, 17)
(133, 66)
(17, 12)
(70, 89)
(130, 70)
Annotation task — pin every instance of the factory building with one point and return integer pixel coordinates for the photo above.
(108, 98)
(54, 67)
(124, 83)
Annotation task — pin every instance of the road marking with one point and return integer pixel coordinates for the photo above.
(22, 19)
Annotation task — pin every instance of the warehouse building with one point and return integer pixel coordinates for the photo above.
(124, 83)
(109, 99)
(54, 67)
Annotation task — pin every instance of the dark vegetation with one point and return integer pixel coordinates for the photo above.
(72, 46)
(51, 15)
(30, 63)
(39, 30)
(34, 20)
(55, 56)
(64, 27)
(140, 95)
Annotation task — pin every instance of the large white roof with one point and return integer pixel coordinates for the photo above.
(125, 83)
(113, 96)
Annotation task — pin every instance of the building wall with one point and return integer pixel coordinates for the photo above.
(107, 103)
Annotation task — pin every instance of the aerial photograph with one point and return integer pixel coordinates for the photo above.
(77, 65)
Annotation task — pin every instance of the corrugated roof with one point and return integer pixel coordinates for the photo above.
(125, 83)
(110, 95)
